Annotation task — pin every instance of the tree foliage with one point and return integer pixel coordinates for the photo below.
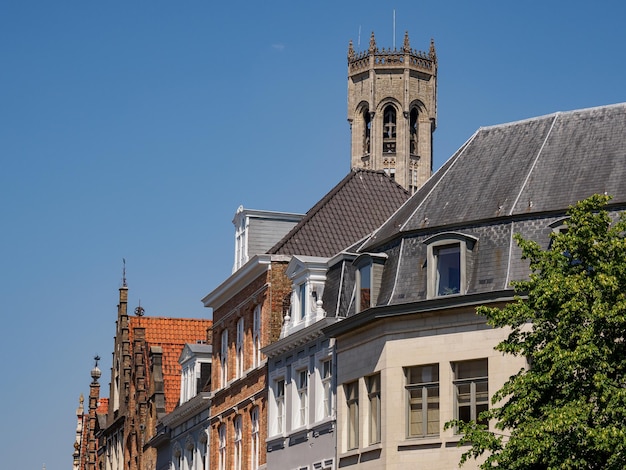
(568, 409)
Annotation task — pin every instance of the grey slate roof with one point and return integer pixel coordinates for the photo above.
(354, 208)
(522, 168)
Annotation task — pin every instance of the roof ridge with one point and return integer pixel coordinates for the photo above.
(551, 115)
(318, 206)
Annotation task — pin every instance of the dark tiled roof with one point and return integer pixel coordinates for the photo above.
(528, 167)
(360, 203)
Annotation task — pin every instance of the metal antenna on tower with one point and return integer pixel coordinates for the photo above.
(358, 44)
(124, 272)
(394, 29)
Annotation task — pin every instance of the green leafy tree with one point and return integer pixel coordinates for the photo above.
(568, 409)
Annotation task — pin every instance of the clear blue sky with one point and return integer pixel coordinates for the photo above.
(135, 129)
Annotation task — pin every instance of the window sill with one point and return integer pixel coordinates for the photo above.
(372, 447)
(297, 432)
(321, 425)
(415, 443)
(355, 453)
(275, 438)
(349, 453)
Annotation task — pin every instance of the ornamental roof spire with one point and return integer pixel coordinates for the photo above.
(350, 51)
(406, 47)
(373, 47)
(432, 55)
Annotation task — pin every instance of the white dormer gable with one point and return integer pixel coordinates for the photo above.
(257, 231)
(308, 276)
(195, 361)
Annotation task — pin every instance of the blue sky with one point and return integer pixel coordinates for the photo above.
(135, 129)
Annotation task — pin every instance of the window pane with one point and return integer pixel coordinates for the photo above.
(472, 389)
(373, 385)
(302, 301)
(471, 369)
(352, 402)
(366, 280)
(423, 400)
(449, 270)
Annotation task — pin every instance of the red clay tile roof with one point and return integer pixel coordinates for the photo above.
(103, 406)
(171, 334)
(358, 205)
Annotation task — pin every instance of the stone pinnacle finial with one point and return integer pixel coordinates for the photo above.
(373, 47)
(406, 47)
(350, 51)
(431, 53)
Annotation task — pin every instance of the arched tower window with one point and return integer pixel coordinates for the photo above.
(367, 131)
(389, 129)
(414, 131)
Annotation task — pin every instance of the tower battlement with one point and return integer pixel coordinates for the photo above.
(360, 61)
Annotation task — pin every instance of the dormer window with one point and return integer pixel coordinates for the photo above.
(369, 268)
(308, 274)
(448, 276)
(447, 261)
(195, 361)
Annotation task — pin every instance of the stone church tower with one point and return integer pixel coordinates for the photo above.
(392, 110)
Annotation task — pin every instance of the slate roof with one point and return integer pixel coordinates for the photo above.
(522, 168)
(171, 334)
(355, 207)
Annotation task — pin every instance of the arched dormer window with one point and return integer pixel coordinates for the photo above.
(369, 270)
(389, 129)
(447, 256)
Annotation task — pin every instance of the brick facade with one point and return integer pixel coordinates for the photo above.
(243, 394)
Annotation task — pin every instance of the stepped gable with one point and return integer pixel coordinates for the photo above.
(517, 169)
(355, 207)
(171, 334)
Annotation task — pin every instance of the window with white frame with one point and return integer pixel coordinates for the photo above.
(237, 425)
(326, 371)
(351, 391)
(239, 348)
(422, 389)
(471, 389)
(302, 301)
(373, 395)
(256, 336)
(279, 406)
(447, 260)
(221, 431)
(224, 358)
(254, 438)
(302, 386)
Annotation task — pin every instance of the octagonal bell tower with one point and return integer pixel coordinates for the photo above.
(392, 110)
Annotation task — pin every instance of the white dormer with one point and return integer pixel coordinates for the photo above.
(258, 231)
(195, 361)
(308, 275)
